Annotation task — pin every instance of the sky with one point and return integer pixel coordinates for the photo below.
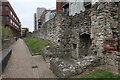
(25, 10)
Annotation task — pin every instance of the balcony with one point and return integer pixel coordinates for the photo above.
(87, 4)
(65, 5)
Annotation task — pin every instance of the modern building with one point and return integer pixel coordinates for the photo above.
(65, 8)
(62, 5)
(72, 7)
(8, 18)
(42, 18)
(59, 6)
(39, 12)
(24, 31)
(49, 15)
(53, 13)
(35, 22)
(76, 7)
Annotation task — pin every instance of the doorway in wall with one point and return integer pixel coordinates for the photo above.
(85, 43)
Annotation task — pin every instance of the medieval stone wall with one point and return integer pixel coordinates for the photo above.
(100, 23)
(104, 24)
(81, 35)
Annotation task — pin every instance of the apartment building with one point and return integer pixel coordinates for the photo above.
(9, 18)
(72, 7)
(39, 12)
(35, 22)
(49, 15)
(41, 16)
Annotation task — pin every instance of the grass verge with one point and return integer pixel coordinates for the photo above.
(35, 45)
(100, 74)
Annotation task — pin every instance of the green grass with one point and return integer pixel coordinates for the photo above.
(35, 45)
(100, 74)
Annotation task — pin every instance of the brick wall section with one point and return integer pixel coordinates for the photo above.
(59, 6)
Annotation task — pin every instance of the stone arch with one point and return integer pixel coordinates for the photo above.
(84, 44)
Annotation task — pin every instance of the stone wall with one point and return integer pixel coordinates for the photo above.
(7, 42)
(104, 24)
(80, 36)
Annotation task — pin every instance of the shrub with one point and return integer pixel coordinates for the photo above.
(6, 32)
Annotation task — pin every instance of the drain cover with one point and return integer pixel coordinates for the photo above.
(34, 66)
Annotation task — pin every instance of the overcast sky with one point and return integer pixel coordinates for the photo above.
(25, 10)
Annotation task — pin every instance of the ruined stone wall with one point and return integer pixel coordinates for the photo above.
(77, 39)
(51, 30)
(104, 24)
(7, 42)
(84, 33)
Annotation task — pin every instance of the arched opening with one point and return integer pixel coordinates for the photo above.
(85, 43)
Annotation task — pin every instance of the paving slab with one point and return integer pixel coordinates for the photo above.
(20, 64)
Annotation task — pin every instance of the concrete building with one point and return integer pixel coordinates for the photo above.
(39, 12)
(24, 31)
(53, 13)
(66, 8)
(62, 6)
(72, 7)
(35, 22)
(78, 6)
(9, 18)
(49, 15)
(42, 18)
(59, 6)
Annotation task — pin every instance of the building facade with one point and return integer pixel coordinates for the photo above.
(53, 13)
(62, 5)
(49, 15)
(59, 6)
(39, 12)
(35, 22)
(72, 7)
(9, 18)
(42, 18)
(76, 7)
(24, 31)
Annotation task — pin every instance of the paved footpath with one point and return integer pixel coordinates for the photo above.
(21, 62)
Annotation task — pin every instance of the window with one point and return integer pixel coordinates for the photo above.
(6, 18)
(0, 18)
(6, 8)
(74, 46)
(71, 4)
(0, 8)
(52, 15)
(17, 26)
(11, 13)
(11, 21)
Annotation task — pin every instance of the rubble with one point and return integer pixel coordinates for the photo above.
(70, 69)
